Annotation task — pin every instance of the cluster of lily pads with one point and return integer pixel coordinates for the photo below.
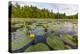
(61, 41)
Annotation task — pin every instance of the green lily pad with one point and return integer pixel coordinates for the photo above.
(67, 47)
(68, 39)
(38, 47)
(20, 41)
(75, 40)
(55, 42)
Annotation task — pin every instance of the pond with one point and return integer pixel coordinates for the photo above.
(20, 36)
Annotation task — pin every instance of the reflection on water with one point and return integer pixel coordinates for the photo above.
(67, 28)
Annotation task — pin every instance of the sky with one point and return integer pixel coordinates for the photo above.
(69, 9)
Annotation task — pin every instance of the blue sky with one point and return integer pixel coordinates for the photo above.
(69, 9)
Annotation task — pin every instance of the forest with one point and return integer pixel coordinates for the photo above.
(35, 12)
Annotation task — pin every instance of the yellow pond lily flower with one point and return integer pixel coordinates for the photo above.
(32, 35)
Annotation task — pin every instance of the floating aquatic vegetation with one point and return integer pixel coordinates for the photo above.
(38, 47)
(55, 42)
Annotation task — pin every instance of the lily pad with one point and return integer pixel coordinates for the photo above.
(67, 47)
(68, 40)
(55, 42)
(19, 40)
(38, 47)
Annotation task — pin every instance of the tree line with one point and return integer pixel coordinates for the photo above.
(34, 12)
